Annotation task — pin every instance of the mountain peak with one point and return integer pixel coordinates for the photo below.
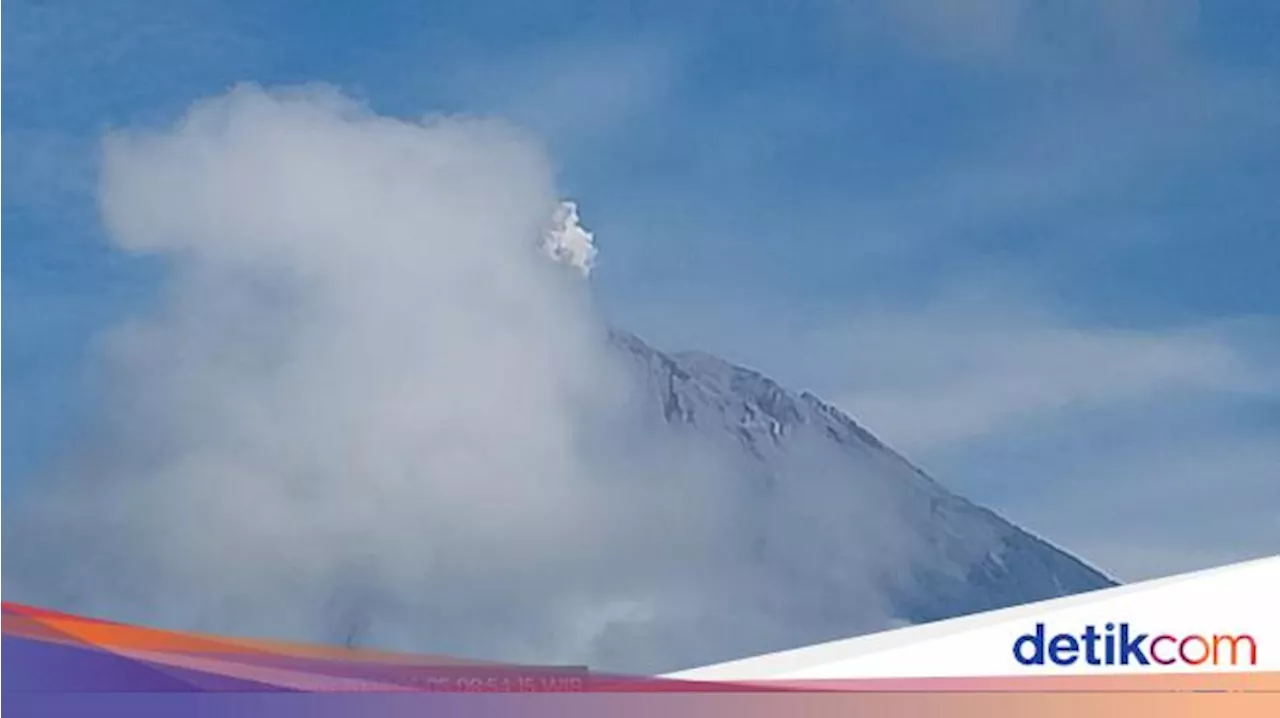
(963, 558)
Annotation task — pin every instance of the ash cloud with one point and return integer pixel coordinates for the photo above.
(368, 410)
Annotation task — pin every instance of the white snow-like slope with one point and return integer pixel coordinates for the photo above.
(839, 519)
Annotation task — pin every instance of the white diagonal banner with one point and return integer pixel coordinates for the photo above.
(1220, 620)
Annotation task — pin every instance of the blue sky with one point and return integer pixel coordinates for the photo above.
(1034, 245)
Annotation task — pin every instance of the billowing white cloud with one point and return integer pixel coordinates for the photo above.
(368, 408)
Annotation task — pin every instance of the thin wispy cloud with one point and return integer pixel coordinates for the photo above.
(1137, 434)
(1024, 36)
(576, 93)
(943, 375)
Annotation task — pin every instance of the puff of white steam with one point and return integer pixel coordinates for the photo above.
(566, 240)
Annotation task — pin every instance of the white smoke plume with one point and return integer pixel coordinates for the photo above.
(567, 241)
(367, 409)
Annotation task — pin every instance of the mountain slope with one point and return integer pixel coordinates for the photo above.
(932, 553)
